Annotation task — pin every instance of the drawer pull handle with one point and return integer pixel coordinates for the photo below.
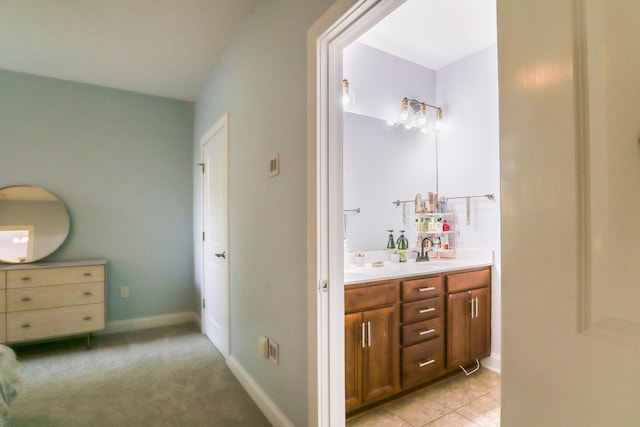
(426, 310)
(26, 278)
(428, 362)
(87, 274)
(88, 318)
(26, 326)
(88, 294)
(25, 299)
(431, 288)
(430, 331)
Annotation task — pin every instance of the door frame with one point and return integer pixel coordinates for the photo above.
(222, 124)
(342, 24)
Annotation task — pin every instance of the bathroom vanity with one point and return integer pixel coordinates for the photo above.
(407, 324)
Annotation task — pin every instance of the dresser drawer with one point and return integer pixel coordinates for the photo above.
(470, 280)
(361, 298)
(421, 362)
(54, 276)
(421, 310)
(420, 331)
(3, 301)
(33, 298)
(35, 324)
(421, 288)
(3, 280)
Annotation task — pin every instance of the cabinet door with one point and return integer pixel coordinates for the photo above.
(458, 317)
(480, 325)
(353, 346)
(380, 369)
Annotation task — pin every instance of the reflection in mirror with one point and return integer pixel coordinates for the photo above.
(33, 224)
(382, 165)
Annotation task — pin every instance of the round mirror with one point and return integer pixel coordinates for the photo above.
(33, 224)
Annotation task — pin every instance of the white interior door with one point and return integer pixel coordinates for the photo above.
(570, 170)
(215, 157)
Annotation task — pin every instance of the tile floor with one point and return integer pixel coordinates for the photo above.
(457, 401)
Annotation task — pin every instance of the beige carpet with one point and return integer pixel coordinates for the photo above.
(169, 376)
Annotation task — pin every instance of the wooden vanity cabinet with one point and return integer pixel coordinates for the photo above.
(371, 343)
(468, 306)
(422, 351)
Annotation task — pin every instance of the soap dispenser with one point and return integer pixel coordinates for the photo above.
(403, 245)
(391, 244)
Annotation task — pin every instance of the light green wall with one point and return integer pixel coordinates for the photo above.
(261, 81)
(122, 163)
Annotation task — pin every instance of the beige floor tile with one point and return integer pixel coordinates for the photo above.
(380, 418)
(484, 380)
(495, 394)
(454, 394)
(483, 411)
(418, 410)
(452, 420)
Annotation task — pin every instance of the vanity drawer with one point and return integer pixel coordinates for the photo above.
(357, 299)
(33, 298)
(421, 288)
(35, 324)
(54, 276)
(421, 362)
(421, 310)
(470, 280)
(421, 331)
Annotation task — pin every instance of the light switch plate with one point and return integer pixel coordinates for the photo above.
(274, 165)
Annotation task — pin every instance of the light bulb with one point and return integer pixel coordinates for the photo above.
(406, 113)
(24, 239)
(16, 240)
(439, 125)
(348, 97)
(421, 115)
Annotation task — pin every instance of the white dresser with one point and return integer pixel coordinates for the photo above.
(47, 300)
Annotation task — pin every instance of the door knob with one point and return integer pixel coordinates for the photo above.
(221, 255)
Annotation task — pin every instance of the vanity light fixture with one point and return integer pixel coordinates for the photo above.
(415, 114)
(348, 96)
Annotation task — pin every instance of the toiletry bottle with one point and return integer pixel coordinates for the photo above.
(437, 244)
(438, 225)
(418, 203)
(446, 226)
(403, 245)
(391, 243)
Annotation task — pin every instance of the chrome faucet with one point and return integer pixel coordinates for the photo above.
(424, 255)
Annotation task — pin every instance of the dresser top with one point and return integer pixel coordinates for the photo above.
(52, 264)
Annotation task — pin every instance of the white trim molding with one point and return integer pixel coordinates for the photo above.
(141, 323)
(270, 410)
(493, 362)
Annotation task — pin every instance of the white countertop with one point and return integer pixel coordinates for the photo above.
(367, 273)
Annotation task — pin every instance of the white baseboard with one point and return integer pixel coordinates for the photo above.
(493, 362)
(275, 416)
(141, 323)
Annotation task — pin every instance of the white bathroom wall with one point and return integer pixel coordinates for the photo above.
(469, 157)
(382, 165)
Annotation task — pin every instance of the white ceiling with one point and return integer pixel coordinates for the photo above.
(169, 47)
(158, 47)
(435, 33)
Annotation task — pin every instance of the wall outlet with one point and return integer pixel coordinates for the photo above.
(124, 292)
(274, 352)
(274, 165)
(263, 347)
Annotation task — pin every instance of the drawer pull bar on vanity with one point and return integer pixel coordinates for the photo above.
(363, 340)
(25, 299)
(428, 362)
(431, 288)
(426, 310)
(430, 331)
